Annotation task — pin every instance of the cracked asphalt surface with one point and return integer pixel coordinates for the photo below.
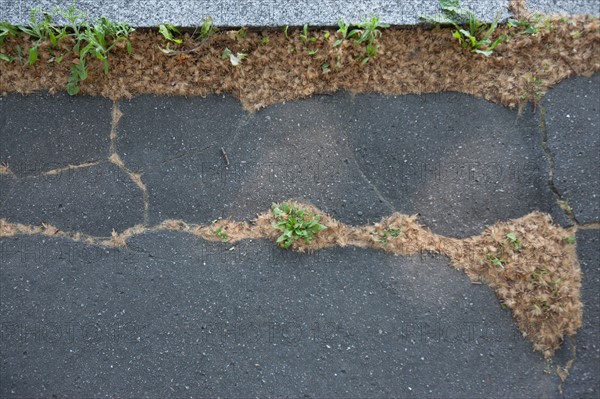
(173, 315)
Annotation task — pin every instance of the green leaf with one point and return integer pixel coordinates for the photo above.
(33, 55)
(6, 58)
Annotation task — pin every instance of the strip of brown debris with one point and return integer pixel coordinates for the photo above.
(413, 60)
(539, 279)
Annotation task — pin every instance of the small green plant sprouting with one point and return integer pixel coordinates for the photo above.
(304, 35)
(368, 32)
(313, 52)
(532, 25)
(568, 240)
(6, 30)
(97, 40)
(512, 237)
(295, 223)
(343, 30)
(234, 59)
(285, 32)
(221, 234)
(537, 277)
(207, 29)
(38, 29)
(495, 261)
(478, 34)
(169, 31)
(241, 33)
(264, 41)
(385, 234)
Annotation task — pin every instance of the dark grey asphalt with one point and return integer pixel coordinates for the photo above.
(176, 316)
(572, 118)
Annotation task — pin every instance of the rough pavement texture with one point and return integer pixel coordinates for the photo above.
(278, 13)
(429, 155)
(41, 132)
(94, 200)
(180, 317)
(175, 315)
(572, 119)
(584, 381)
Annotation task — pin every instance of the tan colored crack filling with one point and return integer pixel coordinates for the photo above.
(540, 282)
(413, 60)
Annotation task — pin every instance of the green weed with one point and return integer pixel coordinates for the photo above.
(476, 36)
(512, 238)
(295, 223)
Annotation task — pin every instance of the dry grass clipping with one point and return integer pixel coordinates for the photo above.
(540, 281)
(414, 60)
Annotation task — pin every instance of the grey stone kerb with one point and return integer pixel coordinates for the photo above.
(279, 12)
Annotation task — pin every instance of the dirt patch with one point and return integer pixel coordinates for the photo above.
(536, 274)
(415, 60)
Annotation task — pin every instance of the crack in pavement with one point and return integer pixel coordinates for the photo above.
(373, 187)
(115, 159)
(508, 269)
(561, 202)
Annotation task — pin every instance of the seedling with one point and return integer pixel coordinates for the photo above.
(495, 261)
(241, 34)
(568, 240)
(313, 52)
(366, 32)
(385, 234)
(169, 31)
(304, 35)
(234, 59)
(207, 29)
(221, 234)
(285, 32)
(295, 223)
(512, 237)
(6, 30)
(264, 41)
(38, 29)
(477, 36)
(343, 30)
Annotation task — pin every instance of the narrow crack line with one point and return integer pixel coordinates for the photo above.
(137, 179)
(72, 167)
(116, 117)
(373, 187)
(558, 197)
(186, 154)
(115, 159)
(589, 226)
(564, 372)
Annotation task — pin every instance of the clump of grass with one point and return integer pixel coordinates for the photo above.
(92, 39)
(366, 33)
(295, 223)
(471, 32)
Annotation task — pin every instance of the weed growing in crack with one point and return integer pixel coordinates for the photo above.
(295, 223)
(388, 233)
(477, 36)
(512, 238)
(92, 38)
(6, 30)
(207, 29)
(366, 33)
(495, 261)
(568, 240)
(221, 234)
